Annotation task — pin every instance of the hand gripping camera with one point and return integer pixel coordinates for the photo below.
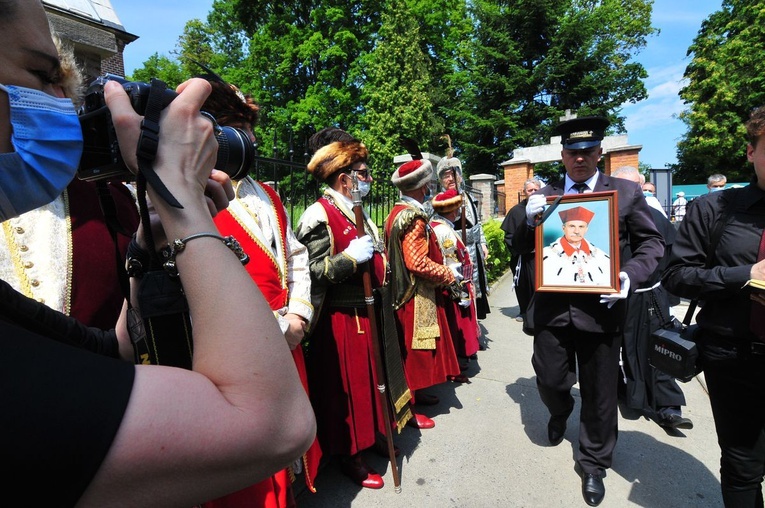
(101, 157)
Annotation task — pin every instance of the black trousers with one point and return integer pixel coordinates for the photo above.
(524, 287)
(557, 352)
(737, 393)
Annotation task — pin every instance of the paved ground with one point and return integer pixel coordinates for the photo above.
(489, 447)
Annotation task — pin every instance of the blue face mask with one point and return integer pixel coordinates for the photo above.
(47, 138)
(647, 194)
(364, 188)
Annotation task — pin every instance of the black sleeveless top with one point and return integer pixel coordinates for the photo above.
(60, 409)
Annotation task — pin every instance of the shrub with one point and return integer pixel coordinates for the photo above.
(498, 261)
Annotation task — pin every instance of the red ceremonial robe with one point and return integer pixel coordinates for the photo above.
(273, 492)
(463, 322)
(95, 297)
(424, 367)
(341, 363)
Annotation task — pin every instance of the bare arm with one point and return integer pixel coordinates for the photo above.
(241, 414)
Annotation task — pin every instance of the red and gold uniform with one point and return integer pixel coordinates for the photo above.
(341, 363)
(463, 322)
(279, 266)
(419, 282)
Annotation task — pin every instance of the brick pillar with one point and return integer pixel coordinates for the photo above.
(484, 184)
(618, 157)
(516, 172)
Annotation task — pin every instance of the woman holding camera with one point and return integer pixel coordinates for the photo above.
(99, 431)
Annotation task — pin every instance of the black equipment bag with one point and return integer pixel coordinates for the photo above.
(673, 354)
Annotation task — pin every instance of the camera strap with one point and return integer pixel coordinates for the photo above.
(149, 141)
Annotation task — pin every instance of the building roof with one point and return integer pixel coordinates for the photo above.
(99, 11)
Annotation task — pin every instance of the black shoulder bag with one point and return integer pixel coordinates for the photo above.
(672, 348)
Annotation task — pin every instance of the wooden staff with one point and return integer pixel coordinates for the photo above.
(369, 299)
(462, 211)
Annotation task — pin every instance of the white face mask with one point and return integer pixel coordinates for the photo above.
(364, 188)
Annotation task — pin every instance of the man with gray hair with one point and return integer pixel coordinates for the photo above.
(449, 171)
(716, 182)
(633, 174)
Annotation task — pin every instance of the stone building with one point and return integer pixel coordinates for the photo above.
(94, 31)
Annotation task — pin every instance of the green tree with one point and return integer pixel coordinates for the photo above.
(397, 89)
(302, 64)
(162, 67)
(725, 83)
(446, 29)
(550, 57)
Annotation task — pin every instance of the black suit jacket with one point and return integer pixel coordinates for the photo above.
(636, 231)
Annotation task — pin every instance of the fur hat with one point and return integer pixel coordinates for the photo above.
(413, 175)
(336, 156)
(448, 163)
(447, 201)
(578, 213)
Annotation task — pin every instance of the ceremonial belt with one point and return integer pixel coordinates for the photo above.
(346, 295)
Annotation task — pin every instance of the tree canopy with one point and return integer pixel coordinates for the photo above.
(725, 83)
(493, 74)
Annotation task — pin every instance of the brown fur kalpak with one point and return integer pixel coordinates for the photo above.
(413, 175)
(335, 157)
(447, 201)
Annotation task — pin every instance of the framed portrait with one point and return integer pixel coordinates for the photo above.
(577, 245)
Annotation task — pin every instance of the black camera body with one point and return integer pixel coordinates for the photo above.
(101, 157)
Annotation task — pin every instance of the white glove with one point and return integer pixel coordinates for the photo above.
(464, 302)
(360, 249)
(457, 275)
(535, 206)
(611, 299)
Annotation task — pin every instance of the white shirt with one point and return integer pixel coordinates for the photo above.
(569, 185)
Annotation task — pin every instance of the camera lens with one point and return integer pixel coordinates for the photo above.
(235, 152)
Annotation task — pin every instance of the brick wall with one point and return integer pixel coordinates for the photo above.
(618, 158)
(115, 64)
(515, 174)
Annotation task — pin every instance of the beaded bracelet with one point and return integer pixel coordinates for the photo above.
(177, 245)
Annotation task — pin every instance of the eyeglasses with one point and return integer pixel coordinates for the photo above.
(363, 174)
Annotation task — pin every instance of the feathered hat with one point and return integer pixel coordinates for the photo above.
(412, 175)
(336, 156)
(447, 201)
(449, 161)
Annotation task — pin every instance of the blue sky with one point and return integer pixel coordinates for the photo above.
(651, 123)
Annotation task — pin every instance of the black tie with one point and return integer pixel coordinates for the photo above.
(580, 187)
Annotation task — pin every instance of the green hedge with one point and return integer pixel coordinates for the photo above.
(498, 261)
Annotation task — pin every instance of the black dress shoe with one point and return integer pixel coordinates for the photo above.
(675, 421)
(556, 429)
(593, 489)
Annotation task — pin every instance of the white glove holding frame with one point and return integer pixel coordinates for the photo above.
(534, 207)
(611, 299)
